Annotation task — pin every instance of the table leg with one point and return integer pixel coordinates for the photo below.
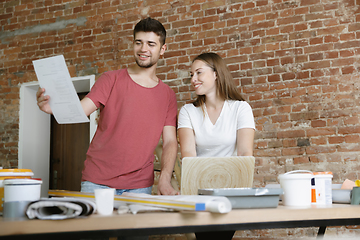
(321, 232)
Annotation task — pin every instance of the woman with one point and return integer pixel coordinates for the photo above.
(218, 123)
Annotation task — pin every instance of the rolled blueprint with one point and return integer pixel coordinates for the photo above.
(216, 204)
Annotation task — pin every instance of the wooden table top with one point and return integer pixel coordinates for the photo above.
(156, 220)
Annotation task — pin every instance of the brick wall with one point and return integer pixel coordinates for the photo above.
(296, 62)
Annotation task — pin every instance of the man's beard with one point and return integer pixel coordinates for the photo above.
(143, 65)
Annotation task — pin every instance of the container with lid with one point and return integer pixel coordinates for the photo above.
(22, 190)
(297, 188)
(323, 187)
(18, 193)
(11, 174)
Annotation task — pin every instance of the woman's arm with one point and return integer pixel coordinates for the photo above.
(245, 141)
(187, 142)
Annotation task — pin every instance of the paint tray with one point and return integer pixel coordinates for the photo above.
(340, 195)
(247, 197)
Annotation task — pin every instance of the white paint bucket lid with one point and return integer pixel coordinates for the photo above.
(297, 174)
(323, 174)
(16, 172)
(25, 181)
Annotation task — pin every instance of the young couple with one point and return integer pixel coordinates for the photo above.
(137, 108)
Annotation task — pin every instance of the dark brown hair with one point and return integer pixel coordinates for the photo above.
(225, 85)
(151, 25)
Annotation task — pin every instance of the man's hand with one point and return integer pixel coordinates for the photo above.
(43, 101)
(165, 188)
(168, 158)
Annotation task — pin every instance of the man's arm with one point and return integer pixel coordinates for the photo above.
(43, 103)
(168, 158)
(88, 105)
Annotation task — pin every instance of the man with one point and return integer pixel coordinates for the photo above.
(136, 108)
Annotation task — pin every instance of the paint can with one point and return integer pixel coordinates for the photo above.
(11, 174)
(297, 188)
(18, 194)
(323, 188)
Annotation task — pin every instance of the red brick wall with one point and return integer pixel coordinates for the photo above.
(296, 62)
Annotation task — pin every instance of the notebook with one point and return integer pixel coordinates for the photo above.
(216, 172)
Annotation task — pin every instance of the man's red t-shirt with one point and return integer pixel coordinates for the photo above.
(132, 118)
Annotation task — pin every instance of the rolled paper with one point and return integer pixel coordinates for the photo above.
(217, 207)
(176, 203)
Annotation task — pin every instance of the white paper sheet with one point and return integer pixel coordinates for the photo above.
(54, 76)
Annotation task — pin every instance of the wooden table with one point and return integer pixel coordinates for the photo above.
(181, 222)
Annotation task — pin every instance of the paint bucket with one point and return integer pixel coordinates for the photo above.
(11, 174)
(323, 188)
(18, 193)
(297, 188)
(22, 190)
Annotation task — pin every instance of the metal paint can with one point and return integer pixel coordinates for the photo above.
(11, 174)
(18, 193)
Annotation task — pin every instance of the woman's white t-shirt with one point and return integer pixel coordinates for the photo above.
(217, 139)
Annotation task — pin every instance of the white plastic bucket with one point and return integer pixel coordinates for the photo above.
(297, 188)
(22, 190)
(323, 188)
(11, 174)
